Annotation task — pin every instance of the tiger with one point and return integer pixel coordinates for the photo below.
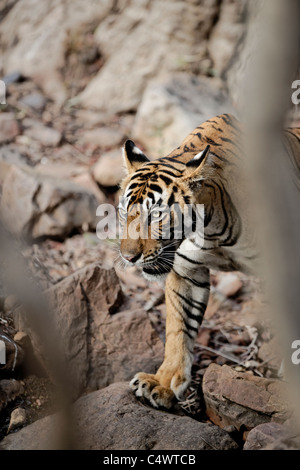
(203, 170)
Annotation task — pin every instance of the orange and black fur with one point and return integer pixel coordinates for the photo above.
(203, 170)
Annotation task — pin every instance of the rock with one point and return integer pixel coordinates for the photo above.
(14, 354)
(109, 170)
(226, 34)
(268, 436)
(100, 345)
(151, 41)
(79, 174)
(17, 418)
(241, 399)
(9, 391)
(10, 155)
(104, 137)
(14, 77)
(229, 284)
(23, 340)
(171, 108)
(35, 205)
(9, 127)
(269, 353)
(43, 134)
(35, 101)
(113, 419)
(36, 46)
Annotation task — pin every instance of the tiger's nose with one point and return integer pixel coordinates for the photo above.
(130, 257)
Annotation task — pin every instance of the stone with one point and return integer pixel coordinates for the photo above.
(269, 353)
(45, 135)
(10, 155)
(79, 174)
(14, 77)
(104, 137)
(152, 40)
(35, 205)
(18, 418)
(171, 108)
(9, 127)
(268, 435)
(101, 343)
(23, 340)
(113, 419)
(242, 399)
(226, 34)
(35, 45)
(229, 284)
(36, 101)
(109, 170)
(9, 391)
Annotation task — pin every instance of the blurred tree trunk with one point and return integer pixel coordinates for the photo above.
(274, 186)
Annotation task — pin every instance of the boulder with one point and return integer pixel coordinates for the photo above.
(100, 345)
(109, 170)
(242, 399)
(35, 205)
(270, 436)
(9, 127)
(113, 419)
(172, 107)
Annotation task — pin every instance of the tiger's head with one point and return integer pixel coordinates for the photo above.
(155, 194)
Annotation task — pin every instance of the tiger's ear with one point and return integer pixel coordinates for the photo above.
(195, 166)
(134, 158)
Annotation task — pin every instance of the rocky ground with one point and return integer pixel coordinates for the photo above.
(60, 159)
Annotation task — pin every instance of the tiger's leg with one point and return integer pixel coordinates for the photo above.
(186, 300)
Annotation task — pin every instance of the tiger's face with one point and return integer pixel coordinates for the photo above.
(154, 196)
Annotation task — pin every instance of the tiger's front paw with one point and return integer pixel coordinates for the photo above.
(161, 392)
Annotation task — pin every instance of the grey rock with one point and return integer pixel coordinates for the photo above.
(269, 436)
(172, 107)
(113, 419)
(45, 135)
(35, 205)
(34, 100)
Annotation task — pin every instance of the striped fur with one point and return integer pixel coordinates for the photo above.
(186, 175)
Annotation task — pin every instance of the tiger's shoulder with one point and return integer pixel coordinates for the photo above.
(222, 133)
